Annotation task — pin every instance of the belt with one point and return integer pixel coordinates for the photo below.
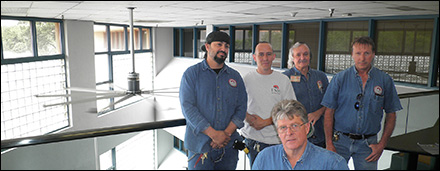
(357, 136)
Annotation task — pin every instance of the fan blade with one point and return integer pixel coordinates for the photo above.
(54, 95)
(120, 100)
(69, 95)
(165, 95)
(154, 91)
(146, 92)
(167, 88)
(85, 100)
(113, 86)
(165, 92)
(146, 98)
(91, 90)
(163, 89)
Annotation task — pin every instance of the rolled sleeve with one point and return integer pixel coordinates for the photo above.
(188, 101)
(240, 112)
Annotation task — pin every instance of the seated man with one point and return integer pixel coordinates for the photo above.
(295, 152)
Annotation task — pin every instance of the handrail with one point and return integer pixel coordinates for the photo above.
(417, 94)
(74, 135)
(90, 133)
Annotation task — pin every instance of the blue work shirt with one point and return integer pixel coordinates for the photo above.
(313, 158)
(211, 99)
(379, 94)
(310, 93)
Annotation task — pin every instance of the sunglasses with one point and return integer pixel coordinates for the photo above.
(358, 103)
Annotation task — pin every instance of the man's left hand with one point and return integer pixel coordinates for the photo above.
(376, 153)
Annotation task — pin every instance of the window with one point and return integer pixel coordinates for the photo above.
(16, 39)
(137, 153)
(404, 49)
(339, 36)
(201, 35)
(146, 38)
(48, 38)
(272, 34)
(24, 75)
(188, 39)
(117, 37)
(136, 38)
(100, 37)
(112, 64)
(102, 68)
(243, 45)
(179, 145)
(106, 160)
(177, 42)
(308, 33)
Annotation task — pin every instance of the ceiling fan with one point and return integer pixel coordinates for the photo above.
(132, 90)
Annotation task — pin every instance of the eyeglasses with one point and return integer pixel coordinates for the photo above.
(293, 127)
(358, 103)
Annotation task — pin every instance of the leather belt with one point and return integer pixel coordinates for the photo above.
(357, 136)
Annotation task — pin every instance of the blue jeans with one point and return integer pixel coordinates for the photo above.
(356, 149)
(253, 152)
(218, 159)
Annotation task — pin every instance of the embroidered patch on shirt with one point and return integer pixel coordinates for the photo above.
(378, 90)
(275, 89)
(232, 83)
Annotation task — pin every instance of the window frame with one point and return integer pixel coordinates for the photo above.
(126, 51)
(35, 57)
(41, 58)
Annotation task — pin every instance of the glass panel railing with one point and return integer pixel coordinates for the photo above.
(420, 110)
(151, 145)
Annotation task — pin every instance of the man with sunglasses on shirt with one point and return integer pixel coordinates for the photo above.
(355, 101)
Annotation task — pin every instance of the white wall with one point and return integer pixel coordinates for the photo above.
(162, 47)
(84, 153)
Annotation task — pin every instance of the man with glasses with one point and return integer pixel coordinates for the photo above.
(295, 152)
(355, 101)
(265, 87)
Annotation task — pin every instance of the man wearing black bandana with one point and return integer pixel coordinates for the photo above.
(217, 48)
(214, 103)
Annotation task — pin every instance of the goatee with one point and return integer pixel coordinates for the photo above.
(220, 60)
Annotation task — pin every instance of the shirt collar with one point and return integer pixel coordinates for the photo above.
(306, 152)
(296, 71)
(303, 156)
(205, 67)
(357, 73)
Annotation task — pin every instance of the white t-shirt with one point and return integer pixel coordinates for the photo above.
(264, 91)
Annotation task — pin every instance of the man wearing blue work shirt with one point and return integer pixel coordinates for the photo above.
(214, 102)
(295, 152)
(309, 85)
(355, 101)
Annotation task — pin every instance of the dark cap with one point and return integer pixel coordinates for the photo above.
(216, 36)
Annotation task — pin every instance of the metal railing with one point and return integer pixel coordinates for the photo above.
(90, 133)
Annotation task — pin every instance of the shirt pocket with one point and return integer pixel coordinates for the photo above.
(377, 104)
(231, 95)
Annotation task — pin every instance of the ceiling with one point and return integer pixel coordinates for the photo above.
(192, 13)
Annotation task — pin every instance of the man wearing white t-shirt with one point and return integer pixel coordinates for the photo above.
(265, 88)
